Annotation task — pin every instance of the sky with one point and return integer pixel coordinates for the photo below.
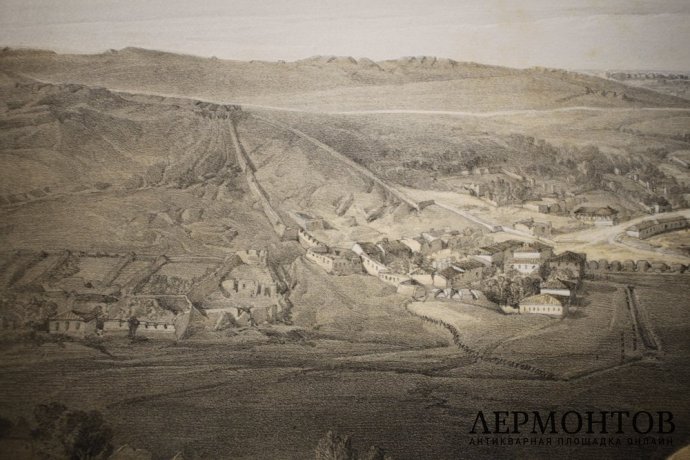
(570, 34)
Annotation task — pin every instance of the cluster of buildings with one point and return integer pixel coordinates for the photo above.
(428, 266)
(394, 262)
(596, 215)
(559, 274)
(525, 258)
(250, 294)
(336, 261)
(165, 316)
(554, 204)
(557, 291)
(247, 295)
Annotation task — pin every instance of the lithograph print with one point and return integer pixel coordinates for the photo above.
(344, 230)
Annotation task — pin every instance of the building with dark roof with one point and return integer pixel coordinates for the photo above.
(497, 253)
(568, 260)
(603, 216)
(656, 205)
(460, 274)
(307, 221)
(534, 227)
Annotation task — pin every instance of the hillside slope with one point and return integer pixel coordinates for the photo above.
(85, 168)
(335, 83)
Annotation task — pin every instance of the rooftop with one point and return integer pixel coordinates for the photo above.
(467, 264)
(394, 247)
(501, 246)
(645, 224)
(460, 267)
(529, 223)
(73, 316)
(555, 283)
(569, 256)
(597, 211)
(533, 246)
(529, 260)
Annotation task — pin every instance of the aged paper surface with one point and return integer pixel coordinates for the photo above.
(344, 230)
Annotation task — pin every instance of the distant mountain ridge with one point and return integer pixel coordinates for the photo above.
(334, 82)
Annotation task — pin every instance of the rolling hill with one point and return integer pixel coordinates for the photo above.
(66, 138)
(335, 83)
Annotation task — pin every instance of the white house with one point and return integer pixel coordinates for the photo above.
(413, 243)
(367, 252)
(525, 266)
(652, 227)
(542, 304)
(422, 276)
(528, 258)
(393, 279)
(335, 261)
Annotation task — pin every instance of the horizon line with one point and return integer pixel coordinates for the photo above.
(5, 48)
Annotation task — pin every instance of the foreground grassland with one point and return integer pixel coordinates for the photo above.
(273, 394)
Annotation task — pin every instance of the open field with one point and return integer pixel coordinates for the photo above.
(359, 308)
(679, 240)
(279, 399)
(481, 329)
(588, 340)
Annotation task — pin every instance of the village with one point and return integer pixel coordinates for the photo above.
(518, 267)
(83, 295)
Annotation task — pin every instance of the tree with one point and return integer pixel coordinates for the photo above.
(86, 436)
(5, 427)
(376, 453)
(497, 289)
(334, 447)
(133, 325)
(515, 293)
(77, 435)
